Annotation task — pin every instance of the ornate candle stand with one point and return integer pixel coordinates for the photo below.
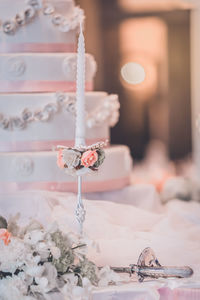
(80, 159)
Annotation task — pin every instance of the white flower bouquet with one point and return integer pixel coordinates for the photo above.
(37, 262)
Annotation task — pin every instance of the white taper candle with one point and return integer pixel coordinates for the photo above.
(80, 92)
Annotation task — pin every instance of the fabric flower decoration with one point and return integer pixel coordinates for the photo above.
(71, 158)
(5, 236)
(101, 157)
(3, 223)
(80, 160)
(89, 158)
(60, 162)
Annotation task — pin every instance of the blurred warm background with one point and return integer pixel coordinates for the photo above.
(155, 33)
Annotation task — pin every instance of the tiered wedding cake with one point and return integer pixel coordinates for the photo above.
(37, 99)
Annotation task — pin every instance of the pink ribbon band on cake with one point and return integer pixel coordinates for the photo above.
(40, 145)
(37, 47)
(34, 86)
(88, 187)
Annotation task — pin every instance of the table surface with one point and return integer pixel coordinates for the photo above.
(123, 223)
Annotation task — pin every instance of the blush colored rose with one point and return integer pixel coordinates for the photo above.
(5, 236)
(89, 158)
(60, 161)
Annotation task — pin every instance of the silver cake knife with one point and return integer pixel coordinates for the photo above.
(148, 266)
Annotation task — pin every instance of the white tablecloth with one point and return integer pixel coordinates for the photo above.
(131, 220)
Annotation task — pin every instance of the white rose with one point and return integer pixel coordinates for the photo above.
(42, 282)
(33, 237)
(35, 271)
(71, 158)
(55, 251)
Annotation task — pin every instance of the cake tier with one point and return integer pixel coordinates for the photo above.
(39, 72)
(39, 28)
(38, 170)
(38, 122)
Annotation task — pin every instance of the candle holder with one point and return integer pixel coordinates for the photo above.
(80, 211)
(78, 161)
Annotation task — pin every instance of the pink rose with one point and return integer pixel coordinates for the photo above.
(89, 158)
(5, 236)
(60, 161)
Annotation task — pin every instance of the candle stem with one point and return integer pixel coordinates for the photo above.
(80, 211)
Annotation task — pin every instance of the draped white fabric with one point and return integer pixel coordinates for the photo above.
(131, 220)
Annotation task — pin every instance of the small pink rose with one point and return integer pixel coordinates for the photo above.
(60, 161)
(5, 236)
(89, 158)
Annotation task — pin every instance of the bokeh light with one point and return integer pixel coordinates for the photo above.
(133, 73)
